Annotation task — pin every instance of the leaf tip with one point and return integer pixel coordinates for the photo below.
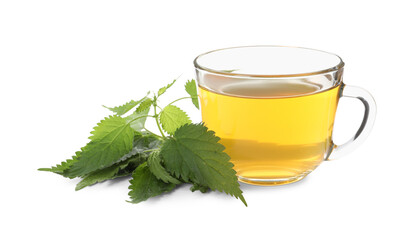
(44, 169)
(241, 197)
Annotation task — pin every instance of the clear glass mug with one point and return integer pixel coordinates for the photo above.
(274, 107)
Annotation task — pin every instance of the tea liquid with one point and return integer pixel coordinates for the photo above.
(273, 130)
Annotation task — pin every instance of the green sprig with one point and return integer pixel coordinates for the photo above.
(183, 153)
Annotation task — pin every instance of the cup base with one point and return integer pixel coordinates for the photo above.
(272, 182)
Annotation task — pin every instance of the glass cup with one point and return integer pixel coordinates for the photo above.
(274, 107)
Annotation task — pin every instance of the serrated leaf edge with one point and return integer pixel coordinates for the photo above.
(164, 125)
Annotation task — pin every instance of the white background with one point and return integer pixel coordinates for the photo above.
(61, 60)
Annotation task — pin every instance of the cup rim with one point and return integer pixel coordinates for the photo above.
(337, 67)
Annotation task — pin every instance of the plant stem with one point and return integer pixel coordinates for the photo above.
(151, 150)
(152, 132)
(139, 118)
(178, 100)
(157, 121)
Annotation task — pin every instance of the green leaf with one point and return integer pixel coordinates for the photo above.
(98, 176)
(60, 168)
(202, 189)
(126, 164)
(110, 140)
(163, 89)
(145, 185)
(141, 143)
(121, 110)
(121, 169)
(144, 105)
(191, 89)
(195, 155)
(138, 118)
(132, 164)
(172, 118)
(156, 168)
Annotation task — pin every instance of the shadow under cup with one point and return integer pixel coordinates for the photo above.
(273, 108)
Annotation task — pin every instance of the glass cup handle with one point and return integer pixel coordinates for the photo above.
(366, 126)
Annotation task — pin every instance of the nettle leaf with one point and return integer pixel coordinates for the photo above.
(98, 176)
(163, 89)
(202, 189)
(121, 110)
(121, 169)
(138, 118)
(191, 89)
(144, 105)
(195, 155)
(60, 168)
(110, 140)
(141, 143)
(145, 185)
(132, 164)
(172, 118)
(156, 168)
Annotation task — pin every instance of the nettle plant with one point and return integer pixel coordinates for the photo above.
(182, 152)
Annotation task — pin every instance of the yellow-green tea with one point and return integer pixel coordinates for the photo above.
(273, 130)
